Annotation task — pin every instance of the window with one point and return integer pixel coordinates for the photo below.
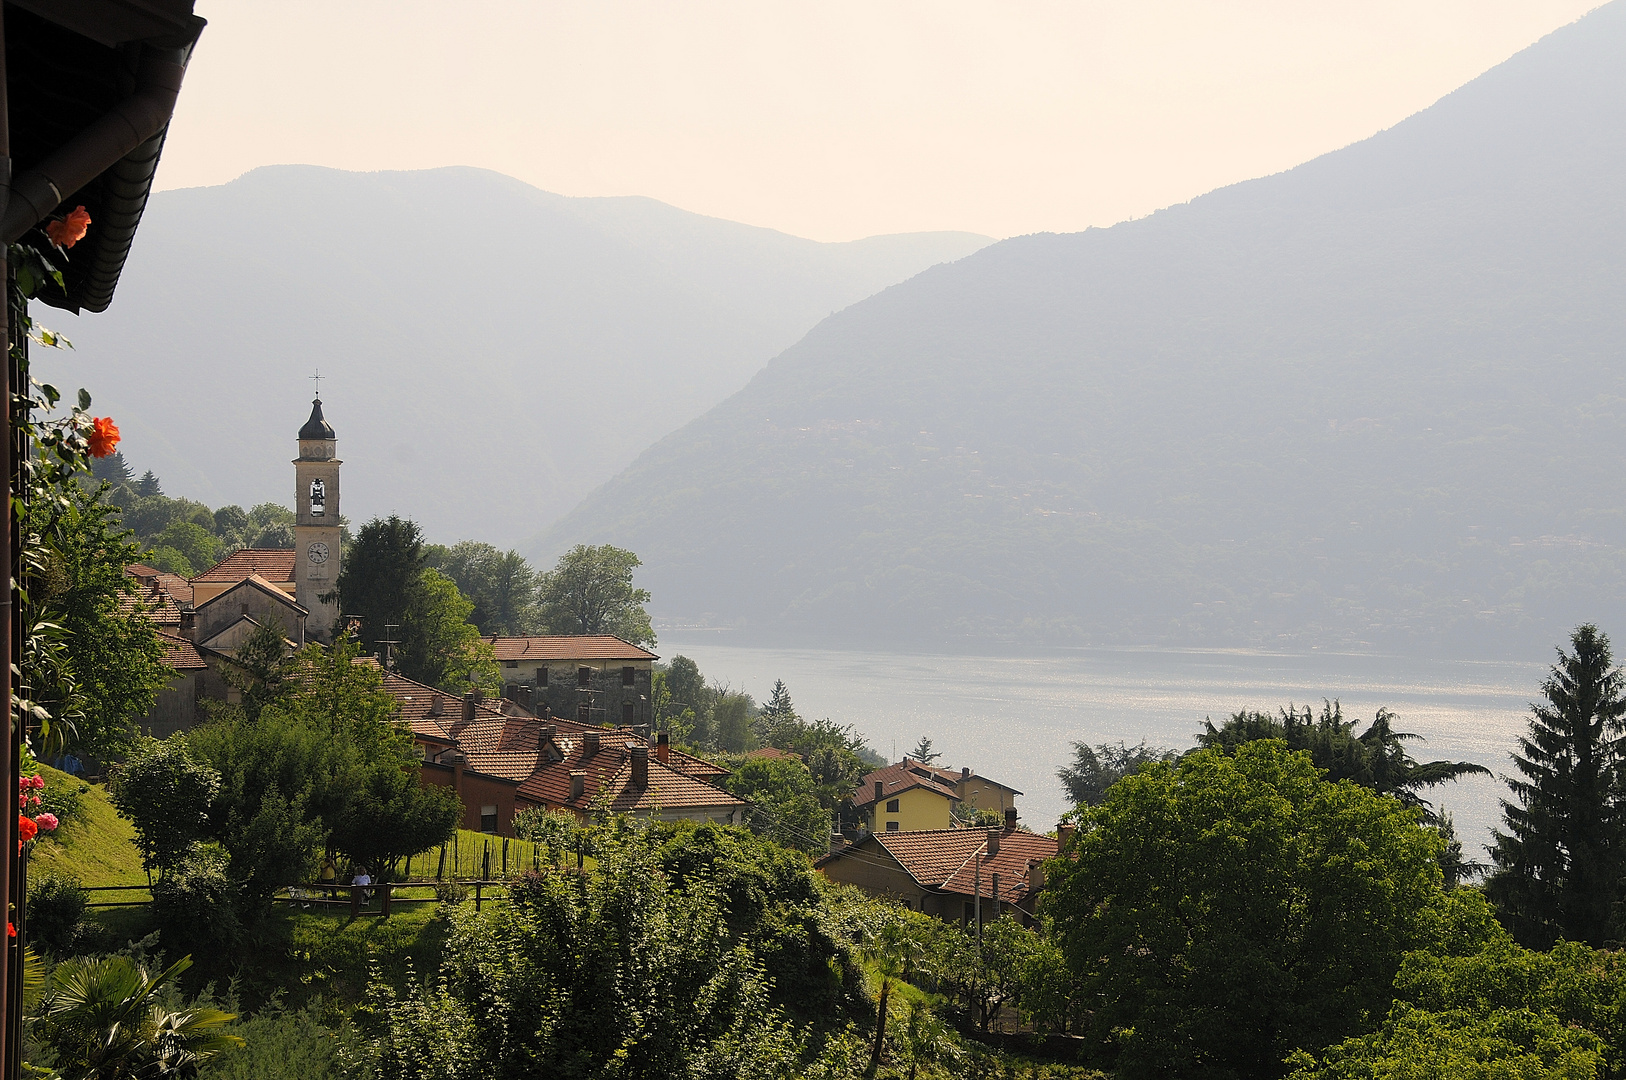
(892, 826)
(627, 676)
(627, 716)
(892, 806)
(541, 678)
(584, 676)
(510, 663)
(488, 819)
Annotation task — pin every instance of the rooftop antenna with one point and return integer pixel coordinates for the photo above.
(317, 379)
(389, 644)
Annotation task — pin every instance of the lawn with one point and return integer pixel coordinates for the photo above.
(99, 849)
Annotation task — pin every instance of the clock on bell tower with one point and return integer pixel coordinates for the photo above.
(316, 525)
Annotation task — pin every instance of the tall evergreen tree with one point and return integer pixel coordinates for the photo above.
(1558, 864)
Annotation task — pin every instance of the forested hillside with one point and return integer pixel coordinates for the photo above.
(490, 352)
(1371, 401)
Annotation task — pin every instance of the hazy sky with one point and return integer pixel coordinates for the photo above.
(837, 119)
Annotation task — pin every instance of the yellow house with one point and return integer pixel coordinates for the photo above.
(981, 793)
(906, 797)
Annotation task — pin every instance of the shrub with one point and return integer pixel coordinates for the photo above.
(56, 904)
(193, 907)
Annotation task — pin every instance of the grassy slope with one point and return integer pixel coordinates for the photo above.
(99, 849)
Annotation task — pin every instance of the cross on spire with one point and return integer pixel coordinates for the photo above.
(317, 378)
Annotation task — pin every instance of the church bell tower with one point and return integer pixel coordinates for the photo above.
(316, 525)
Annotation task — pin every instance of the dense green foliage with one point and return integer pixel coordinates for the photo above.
(590, 591)
(321, 767)
(501, 585)
(1094, 769)
(88, 667)
(1375, 759)
(387, 584)
(1230, 908)
(784, 802)
(106, 1018)
(1558, 865)
(581, 975)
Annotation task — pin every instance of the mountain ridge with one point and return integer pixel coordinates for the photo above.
(1274, 415)
(466, 324)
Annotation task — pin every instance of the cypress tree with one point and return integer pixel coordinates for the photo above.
(1558, 864)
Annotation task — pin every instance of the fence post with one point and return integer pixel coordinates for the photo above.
(477, 897)
(440, 871)
(505, 856)
(485, 863)
(384, 903)
(355, 901)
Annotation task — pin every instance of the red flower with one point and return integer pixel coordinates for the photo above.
(26, 829)
(11, 931)
(70, 230)
(103, 437)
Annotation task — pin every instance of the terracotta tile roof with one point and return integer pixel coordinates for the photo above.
(699, 768)
(610, 771)
(567, 647)
(903, 776)
(945, 860)
(154, 603)
(957, 777)
(273, 564)
(180, 654)
(516, 765)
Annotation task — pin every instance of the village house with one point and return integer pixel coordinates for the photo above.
(501, 760)
(590, 678)
(906, 797)
(944, 872)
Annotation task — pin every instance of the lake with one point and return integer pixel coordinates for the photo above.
(1013, 718)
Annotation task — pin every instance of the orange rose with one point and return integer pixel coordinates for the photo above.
(70, 230)
(103, 437)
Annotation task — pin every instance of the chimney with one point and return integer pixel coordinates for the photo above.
(640, 767)
(479, 695)
(993, 842)
(468, 707)
(663, 748)
(1010, 819)
(549, 730)
(877, 791)
(965, 773)
(578, 784)
(527, 697)
(189, 623)
(589, 744)
(547, 711)
(436, 705)
(1064, 834)
(511, 691)
(996, 894)
(1035, 875)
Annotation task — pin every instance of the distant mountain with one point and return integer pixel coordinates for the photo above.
(1376, 401)
(490, 352)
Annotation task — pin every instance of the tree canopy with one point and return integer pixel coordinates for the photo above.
(1227, 909)
(590, 591)
(1558, 864)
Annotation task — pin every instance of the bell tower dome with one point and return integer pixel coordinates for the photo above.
(316, 525)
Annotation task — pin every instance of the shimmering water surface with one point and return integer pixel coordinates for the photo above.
(1013, 717)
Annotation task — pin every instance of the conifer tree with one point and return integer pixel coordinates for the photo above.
(1558, 864)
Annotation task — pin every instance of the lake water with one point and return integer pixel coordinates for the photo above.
(1013, 718)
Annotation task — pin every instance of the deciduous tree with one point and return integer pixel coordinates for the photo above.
(1226, 910)
(590, 591)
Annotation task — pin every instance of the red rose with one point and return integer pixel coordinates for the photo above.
(103, 437)
(70, 230)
